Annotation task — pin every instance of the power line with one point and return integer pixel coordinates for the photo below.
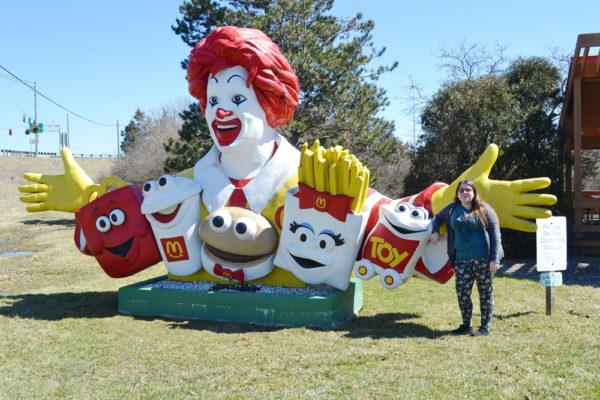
(52, 101)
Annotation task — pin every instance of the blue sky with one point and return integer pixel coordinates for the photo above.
(102, 60)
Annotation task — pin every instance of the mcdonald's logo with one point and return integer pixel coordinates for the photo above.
(174, 249)
(321, 203)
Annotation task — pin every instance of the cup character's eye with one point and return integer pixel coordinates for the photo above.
(245, 228)
(165, 182)
(220, 221)
(148, 188)
(117, 217)
(238, 99)
(213, 100)
(103, 224)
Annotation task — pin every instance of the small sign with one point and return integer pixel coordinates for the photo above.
(551, 240)
(550, 279)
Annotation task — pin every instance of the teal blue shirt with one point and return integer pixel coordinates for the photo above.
(470, 241)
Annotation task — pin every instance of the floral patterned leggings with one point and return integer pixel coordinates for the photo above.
(468, 271)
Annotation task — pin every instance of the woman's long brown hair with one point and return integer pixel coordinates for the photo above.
(477, 205)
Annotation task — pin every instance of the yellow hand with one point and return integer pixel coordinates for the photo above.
(516, 208)
(57, 192)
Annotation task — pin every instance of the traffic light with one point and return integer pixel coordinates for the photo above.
(27, 131)
(9, 131)
(36, 128)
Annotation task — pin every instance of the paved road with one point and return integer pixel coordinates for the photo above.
(580, 270)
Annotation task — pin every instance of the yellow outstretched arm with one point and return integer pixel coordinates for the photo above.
(67, 192)
(516, 208)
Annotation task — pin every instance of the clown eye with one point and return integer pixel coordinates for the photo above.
(103, 224)
(419, 213)
(148, 188)
(213, 100)
(117, 217)
(220, 221)
(166, 182)
(238, 99)
(245, 228)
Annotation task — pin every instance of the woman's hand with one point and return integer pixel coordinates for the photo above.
(493, 267)
(434, 238)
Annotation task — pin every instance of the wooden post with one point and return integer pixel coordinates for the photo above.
(550, 299)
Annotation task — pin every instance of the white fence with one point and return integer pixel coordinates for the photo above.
(19, 153)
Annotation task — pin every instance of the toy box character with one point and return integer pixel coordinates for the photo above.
(114, 231)
(397, 247)
(172, 206)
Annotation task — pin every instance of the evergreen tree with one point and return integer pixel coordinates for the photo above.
(332, 57)
(516, 109)
(133, 131)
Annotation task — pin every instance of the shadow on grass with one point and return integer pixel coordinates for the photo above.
(502, 317)
(60, 222)
(57, 306)
(220, 326)
(389, 325)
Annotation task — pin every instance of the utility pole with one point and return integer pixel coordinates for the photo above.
(67, 144)
(118, 143)
(37, 135)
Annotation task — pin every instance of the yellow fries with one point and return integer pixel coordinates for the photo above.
(336, 171)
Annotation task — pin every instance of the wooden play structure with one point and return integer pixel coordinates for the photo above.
(580, 127)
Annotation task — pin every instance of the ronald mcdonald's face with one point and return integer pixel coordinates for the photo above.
(233, 114)
(316, 247)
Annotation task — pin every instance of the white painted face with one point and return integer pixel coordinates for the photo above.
(406, 220)
(233, 114)
(316, 247)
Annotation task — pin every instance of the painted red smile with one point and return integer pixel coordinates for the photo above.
(227, 131)
(164, 218)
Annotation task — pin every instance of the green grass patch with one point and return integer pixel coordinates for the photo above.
(63, 338)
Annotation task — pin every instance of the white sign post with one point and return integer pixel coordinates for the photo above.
(551, 241)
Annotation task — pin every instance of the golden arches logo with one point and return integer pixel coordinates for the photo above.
(174, 249)
(321, 203)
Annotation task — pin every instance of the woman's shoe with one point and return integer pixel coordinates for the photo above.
(461, 330)
(480, 332)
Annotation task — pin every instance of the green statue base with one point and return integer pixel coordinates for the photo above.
(327, 309)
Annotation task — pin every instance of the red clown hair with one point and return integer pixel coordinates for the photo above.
(269, 73)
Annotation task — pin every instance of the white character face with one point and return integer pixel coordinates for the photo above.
(167, 200)
(406, 220)
(233, 113)
(316, 247)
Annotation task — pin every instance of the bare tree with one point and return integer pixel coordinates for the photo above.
(145, 157)
(472, 60)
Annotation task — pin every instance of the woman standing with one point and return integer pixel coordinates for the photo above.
(475, 249)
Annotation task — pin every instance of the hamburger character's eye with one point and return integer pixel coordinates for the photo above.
(103, 224)
(220, 221)
(165, 182)
(419, 213)
(329, 240)
(117, 217)
(148, 188)
(244, 228)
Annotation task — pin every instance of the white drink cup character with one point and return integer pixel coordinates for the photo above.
(172, 206)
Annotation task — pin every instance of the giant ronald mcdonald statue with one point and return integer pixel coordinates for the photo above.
(256, 210)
